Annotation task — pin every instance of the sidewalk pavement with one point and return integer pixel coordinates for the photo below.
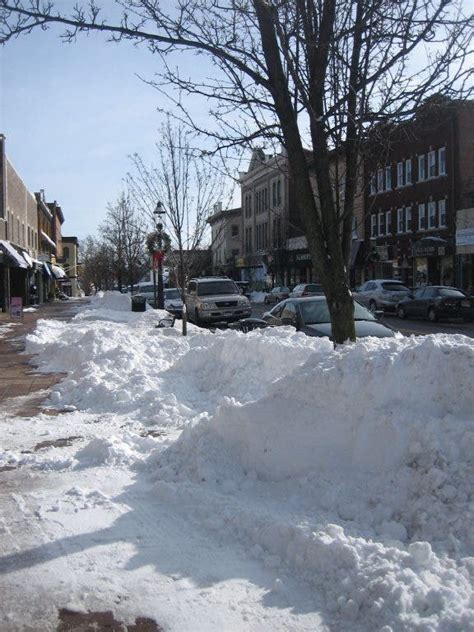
(18, 376)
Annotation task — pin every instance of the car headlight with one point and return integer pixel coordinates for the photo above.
(243, 300)
(208, 305)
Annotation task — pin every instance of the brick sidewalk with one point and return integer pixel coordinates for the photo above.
(18, 377)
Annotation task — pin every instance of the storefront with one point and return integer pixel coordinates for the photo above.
(432, 262)
(465, 250)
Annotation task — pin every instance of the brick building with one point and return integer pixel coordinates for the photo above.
(70, 263)
(18, 234)
(419, 174)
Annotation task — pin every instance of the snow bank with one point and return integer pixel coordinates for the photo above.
(115, 301)
(347, 470)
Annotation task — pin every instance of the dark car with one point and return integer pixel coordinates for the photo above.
(437, 301)
(307, 289)
(311, 316)
(276, 295)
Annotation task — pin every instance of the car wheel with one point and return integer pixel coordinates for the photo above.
(432, 315)
(373, 306)
(401, 313)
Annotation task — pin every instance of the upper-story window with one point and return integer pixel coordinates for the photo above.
(422, 217)
(400, 174)
(388, 178)
(373, 225)
(388, 222)
(400, 220)
(234, 233)
(279, 192)
(408, 219)
(248, 206)
(442, 161)
(382, 227)
(442, 213)
(373, 185)
(380, 180)
(408, 171)
(421, 168)
(431, 214)
(431, 164)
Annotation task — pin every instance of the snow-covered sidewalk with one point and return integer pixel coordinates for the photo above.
(241, 482)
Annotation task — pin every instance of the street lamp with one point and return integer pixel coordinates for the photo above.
(158, 256)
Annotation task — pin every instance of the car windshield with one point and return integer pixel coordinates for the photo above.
(281, 289)
(213, 288)
(312, 287)
(447, 291)
(169, 294)
(314, 312)
(395, 287)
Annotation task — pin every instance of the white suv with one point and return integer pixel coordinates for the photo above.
(215, 299)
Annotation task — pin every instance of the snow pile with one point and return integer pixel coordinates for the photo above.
(373, 444)
(109, 300)
(349, 471)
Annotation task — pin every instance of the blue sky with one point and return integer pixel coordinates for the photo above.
(72, 113)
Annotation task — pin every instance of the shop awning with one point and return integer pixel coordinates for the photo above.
(47, 238)
(14, 256)
(27, 258)
(47, 272)
(58, 272)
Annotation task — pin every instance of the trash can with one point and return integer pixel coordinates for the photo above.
(138, 303)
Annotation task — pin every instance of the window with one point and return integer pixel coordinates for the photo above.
(400, 220)
(248, 239)
(442, 213)
(248, 206)
(442, 161)
(279, 192)
(432, 214)
(289, 313)
(66, 252)
(388, 178)
(421, 217)
(431, 164)
(408, 220)
(421, 168)
(235, 230)
(380, 180)
(274, 193)
(235, 252)
(373, 225)
(373, 188)
(399, 174)
(381, 223)
(388, 222)
(192, 287)
(408, 171)
(277, 232)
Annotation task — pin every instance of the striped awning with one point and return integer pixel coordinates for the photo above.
(14, 256)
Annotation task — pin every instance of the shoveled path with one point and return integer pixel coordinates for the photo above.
(18, 375)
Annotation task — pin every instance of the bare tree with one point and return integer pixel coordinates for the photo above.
(124, 231)
(315, 72)
(97, 265)
(187, 187)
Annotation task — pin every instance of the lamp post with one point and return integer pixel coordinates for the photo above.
(158, 257)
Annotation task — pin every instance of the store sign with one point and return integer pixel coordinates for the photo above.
(303, 256)
(383, 253)
(465, 236)
(16, 308)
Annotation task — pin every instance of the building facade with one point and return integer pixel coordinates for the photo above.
(275, 249)
(70, 261)
(418, 177)
(226, 239)
(19, 269)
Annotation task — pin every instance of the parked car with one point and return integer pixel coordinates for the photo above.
(311, 316)
(307, 289)
(277, 294)
(381, 294)
(215, 299)
(146, 290)
(173, 302)
(437, 301)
